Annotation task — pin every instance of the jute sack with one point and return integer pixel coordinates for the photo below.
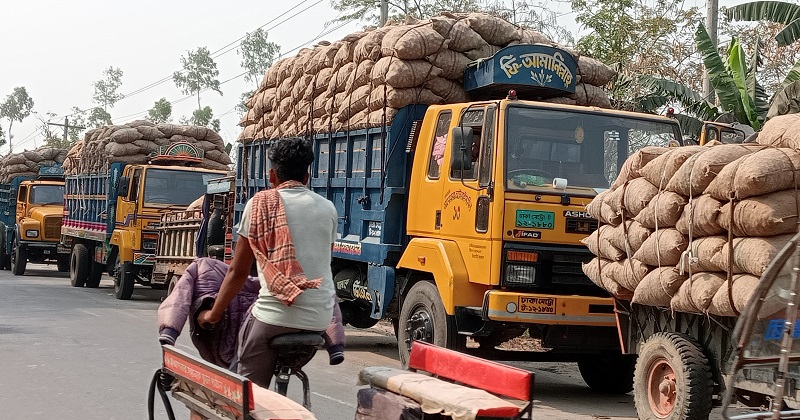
(751, 255)
(759, 173)
(412, 42)
(126, 135)
(695, 294)
(381, 117)
(596, 270)
(781, 131)
(451, 63)
(635, 162)
(743, 287)
(403, 73)
(661, 169)
(369, 47)
(586, 94)
(765, 215)
(485, 51)
(600, 210)
(703, 254)
(493, 30)
(449, 91)
(662, 248)
(628, 273)
(456, 29)
(598, 244)
(698, 171)
(658, 287)
(633, 197)
(360, 76)
(385, 95)
(629, 233)
(701, 214)
(594, 72)
(664, 210)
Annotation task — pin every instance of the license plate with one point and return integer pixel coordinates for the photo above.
(46, 251)
(536, 219)
(537, 305)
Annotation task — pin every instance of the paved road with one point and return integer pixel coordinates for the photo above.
(81, 354)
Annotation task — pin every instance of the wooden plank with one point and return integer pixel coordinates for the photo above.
(493, 377)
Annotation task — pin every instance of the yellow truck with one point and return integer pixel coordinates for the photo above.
(30, 217)
(465, 220)
(111, 218)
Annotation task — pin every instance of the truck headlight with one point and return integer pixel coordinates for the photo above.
(32, 233)
(520, 275)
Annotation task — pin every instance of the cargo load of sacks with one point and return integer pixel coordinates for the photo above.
(693, 228)
(132, 143)
(28, 162)
(362, 80)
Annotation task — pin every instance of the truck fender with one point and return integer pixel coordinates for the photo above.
(442, 259)
(123, 240)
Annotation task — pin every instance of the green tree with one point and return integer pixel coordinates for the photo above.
(257, 55)
(199, 72)
(532, 15)
(2, 136)
(98, 117)
(16, 107)
(203, 117)
(52, 137)
(161, 112)
(369, 10)
(105, 89)
(241, 107)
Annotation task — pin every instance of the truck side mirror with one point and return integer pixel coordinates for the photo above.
(122, 186)
(461, 156)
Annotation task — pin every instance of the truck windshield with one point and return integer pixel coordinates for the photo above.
(172, 187)
(585, 149)
(47, 194)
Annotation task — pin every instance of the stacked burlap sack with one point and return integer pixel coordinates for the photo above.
(132, 143)
(362, 80)
(693, 228)
(28, 163)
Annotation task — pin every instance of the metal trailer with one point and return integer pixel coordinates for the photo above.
(8, 218)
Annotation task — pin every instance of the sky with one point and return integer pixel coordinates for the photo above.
(57, 49)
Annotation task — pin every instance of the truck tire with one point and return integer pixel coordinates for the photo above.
(79, 265)
(608, 374)
(123, 280)
(62, 263)
(95, 275)
(19, 259)
(672, 379)
(5, 261)
(423, 318)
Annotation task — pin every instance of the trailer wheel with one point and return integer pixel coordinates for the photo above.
(95, 274)
(423, 318)
(63, 263)
(79, 265)
(609, 374)
(123, 280)
(672, 379)
(19, 259)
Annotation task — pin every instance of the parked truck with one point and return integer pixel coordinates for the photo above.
(30, 219)
(111, 218)
(464, 220)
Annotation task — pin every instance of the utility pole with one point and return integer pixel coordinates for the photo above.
(384, 11)
(712, 11)
(67, 127)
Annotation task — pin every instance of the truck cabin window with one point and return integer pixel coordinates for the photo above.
(585, 149)
(170, 187)
(439, 144)
(47, 194)
(472, 118)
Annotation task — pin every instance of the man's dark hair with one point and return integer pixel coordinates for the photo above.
(290, 158)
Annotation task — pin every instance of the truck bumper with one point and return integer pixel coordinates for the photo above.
(47, 248)
(532, 308)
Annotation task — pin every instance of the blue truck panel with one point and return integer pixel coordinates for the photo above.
(366, 174)
(90, 203)
(8, 207)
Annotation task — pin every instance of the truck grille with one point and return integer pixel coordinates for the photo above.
(567, 269)
(52, 228)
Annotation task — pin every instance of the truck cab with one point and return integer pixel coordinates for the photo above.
(727, 133)
(37, 230)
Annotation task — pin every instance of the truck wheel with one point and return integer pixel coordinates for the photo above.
(95, 274)
(63, 263)
(172, 283)
(79, 265)
(123, 280)
(19, 259)
(423, 318)
(609, 374)
(672, 379)
(5, 261)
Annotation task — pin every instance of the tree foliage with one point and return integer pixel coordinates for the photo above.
(16, 107)
(241, 107)
(199, 73)
(257, 55)
(781, 12)
(369, 10)
(161, 112)
(532, 15)
(203, 117)
(98, 117)
(2, 136)
(105, 89)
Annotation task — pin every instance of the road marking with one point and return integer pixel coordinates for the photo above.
(85, 311)
(333, 399)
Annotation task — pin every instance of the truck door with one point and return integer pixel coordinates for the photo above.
(22, 201)
(465, 199)
(428, 217)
